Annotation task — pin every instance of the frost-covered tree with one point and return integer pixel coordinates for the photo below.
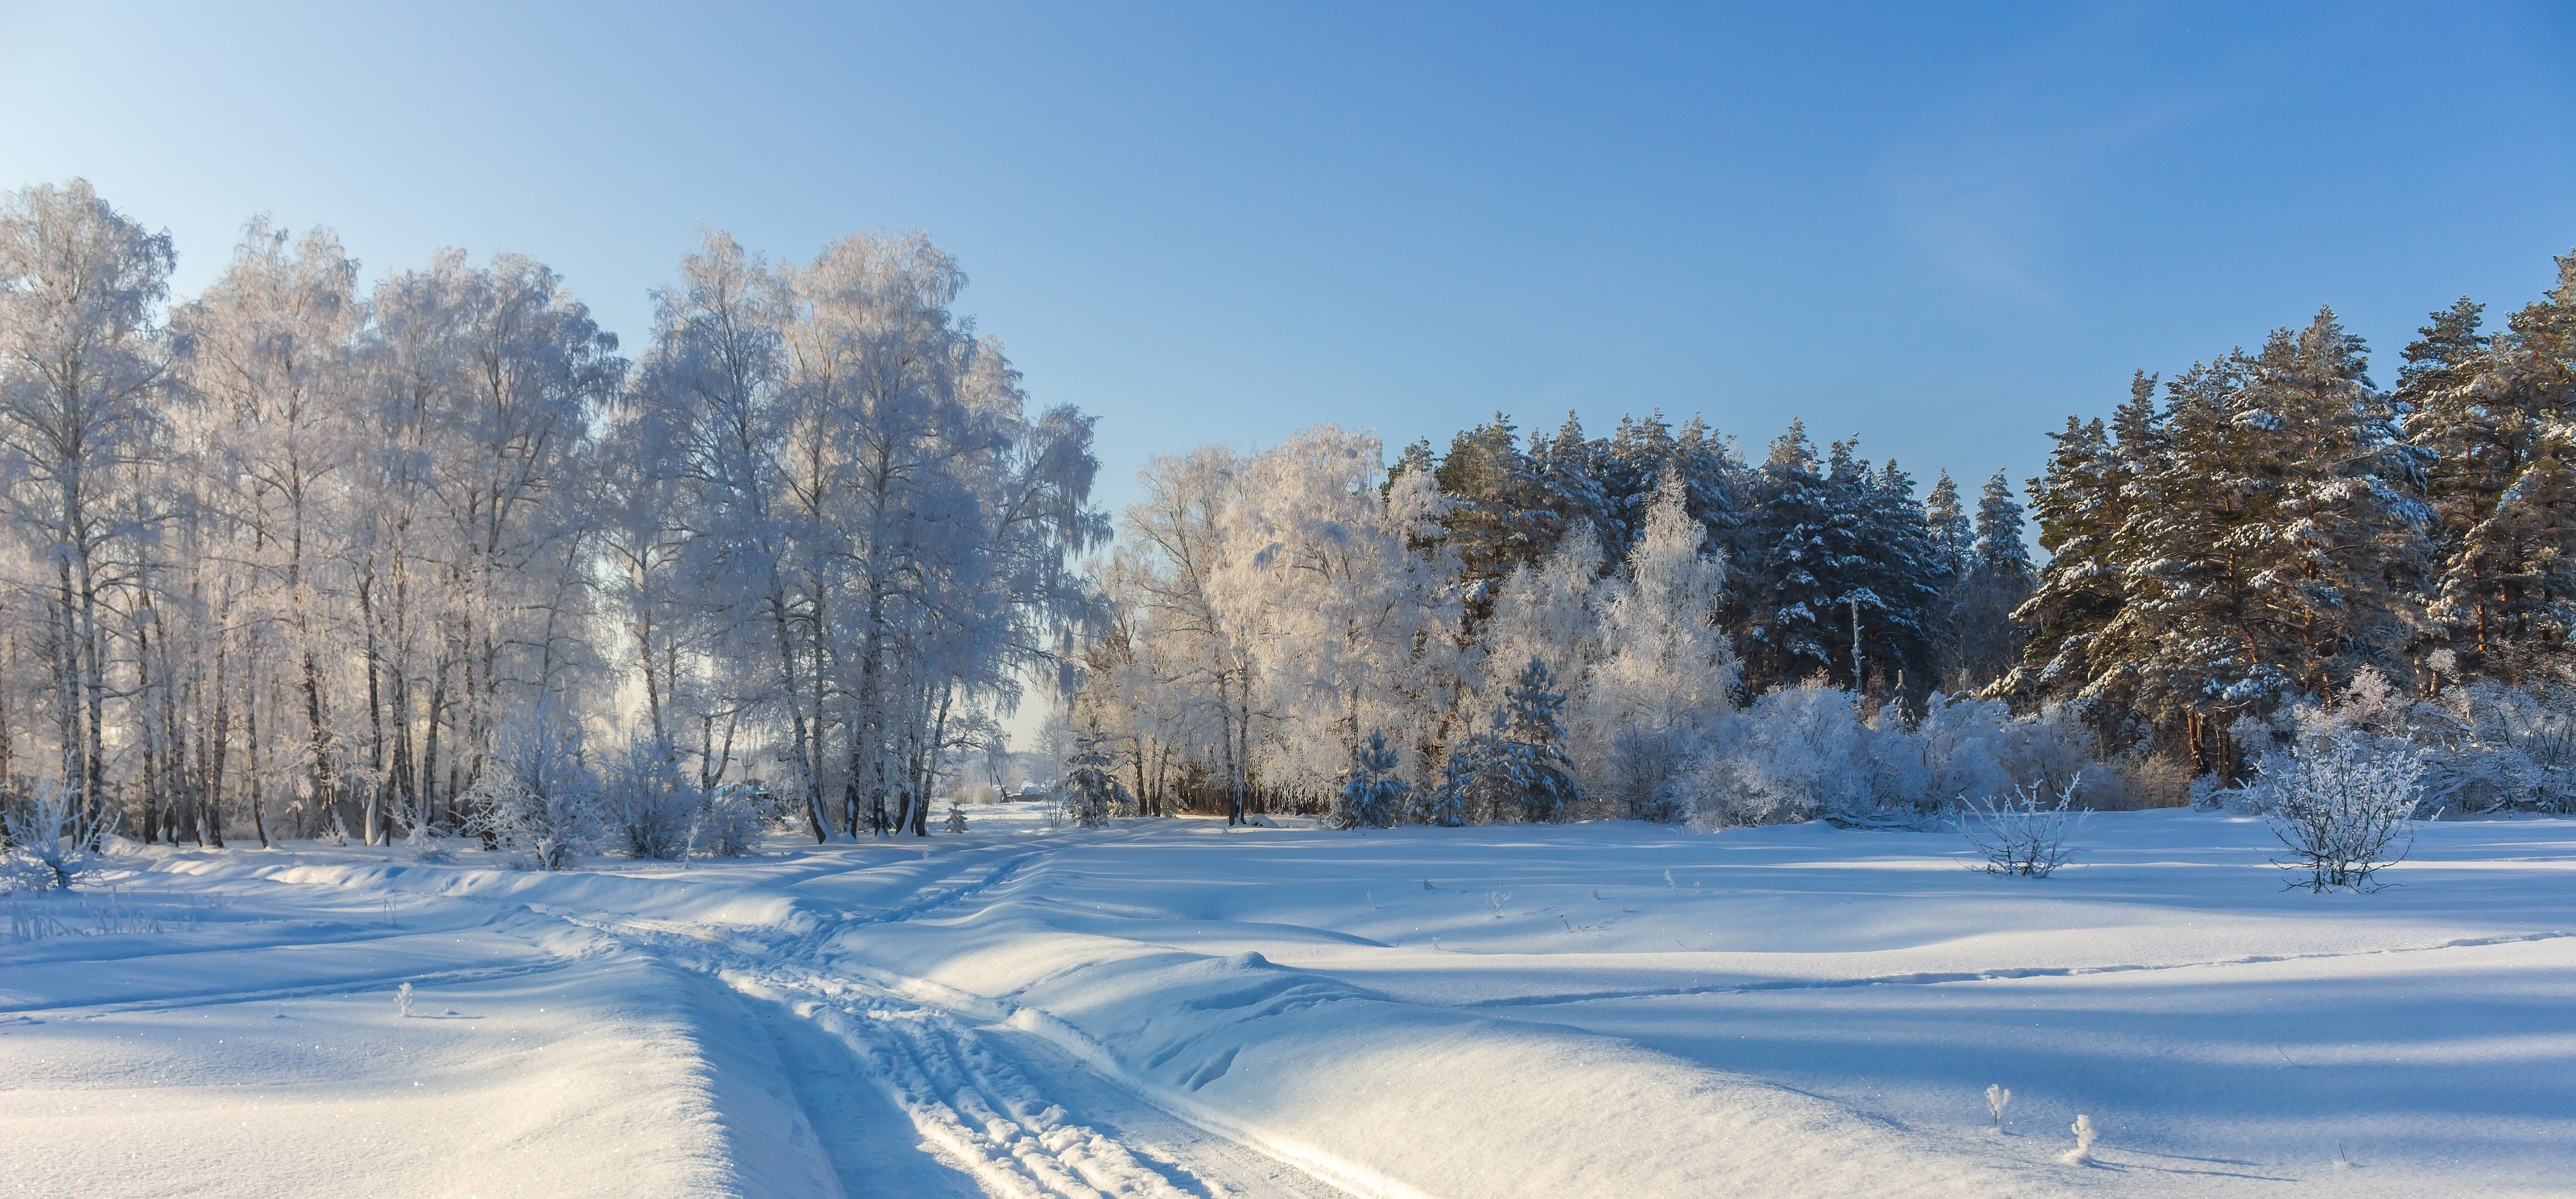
(1269, 608)
(1666, 674)
(1517, 768)
(1091, 790)
(1550, 613)
(2283, 539)
(1373, 795)
(81, 365)
(2491, 414)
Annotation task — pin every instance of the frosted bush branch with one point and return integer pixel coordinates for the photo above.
(2344, 810)
(2022, 832)
(1998, 1097)
(44, 843)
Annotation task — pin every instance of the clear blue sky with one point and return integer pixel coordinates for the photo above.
(1942, 227)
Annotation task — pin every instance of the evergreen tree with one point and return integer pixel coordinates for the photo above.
(1995, 579)
(2081, 503)
(2491, 414)
(1517, 769)
(1633, 462)
(1952, 534)
(1906, 573)
(1568, 472)
(1498, 516)
(2275, 551)
(1372, 793)
(1800, 540)
(1091, 786)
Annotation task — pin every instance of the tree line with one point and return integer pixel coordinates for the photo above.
(298, 556)
(1556, 624)
(302, 555)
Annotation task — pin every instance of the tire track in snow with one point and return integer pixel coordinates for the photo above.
(972, 1101)
(2005, 974)
(344, 986)
(1012, 1132)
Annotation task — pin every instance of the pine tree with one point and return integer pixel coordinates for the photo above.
(2081, 503)
(2491, 414)
(2274, 552)
(1952, 534)
(1799, 541)
(1517, 769)
(1498, 517)
(1995, 579)
(1372, 794)
(1091, 786)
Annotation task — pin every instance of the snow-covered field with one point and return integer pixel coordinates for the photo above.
(1169, 1008)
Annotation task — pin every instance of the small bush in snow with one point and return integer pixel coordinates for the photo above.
(1804, 752)
(538, 799)
(45, 844)
(2023, 831)
(2082, 1153)
(730, 821)
(1372, 795)
(1998, 1097)
(956, 822)
(2343, 809)
(402, 1001)
(646, 806)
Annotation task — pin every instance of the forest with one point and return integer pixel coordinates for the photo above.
(307, 555)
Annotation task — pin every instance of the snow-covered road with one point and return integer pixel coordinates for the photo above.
(1167, 1008)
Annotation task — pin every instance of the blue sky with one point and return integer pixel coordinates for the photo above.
(1943, 230)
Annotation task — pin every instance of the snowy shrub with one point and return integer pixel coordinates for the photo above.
(2082, 1153)
(1998, 1098)
(1517, 770)
(1643, 772)
(2147, 779)
(2343, 809)
(45, 844)
(2484, 746)
(2022, 831)
(1796, 754)
(1805, 752)
(1090, 787)
(537, 799)
(1372, 795)
(646, 806)
(956, 822)
(730, 821)
(2506, 747)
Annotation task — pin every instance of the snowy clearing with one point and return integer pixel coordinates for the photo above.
(1168, 1008)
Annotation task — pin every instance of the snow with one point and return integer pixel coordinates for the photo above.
(1167, 1007)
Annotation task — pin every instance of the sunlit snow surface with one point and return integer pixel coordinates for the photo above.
(1169, 1008)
